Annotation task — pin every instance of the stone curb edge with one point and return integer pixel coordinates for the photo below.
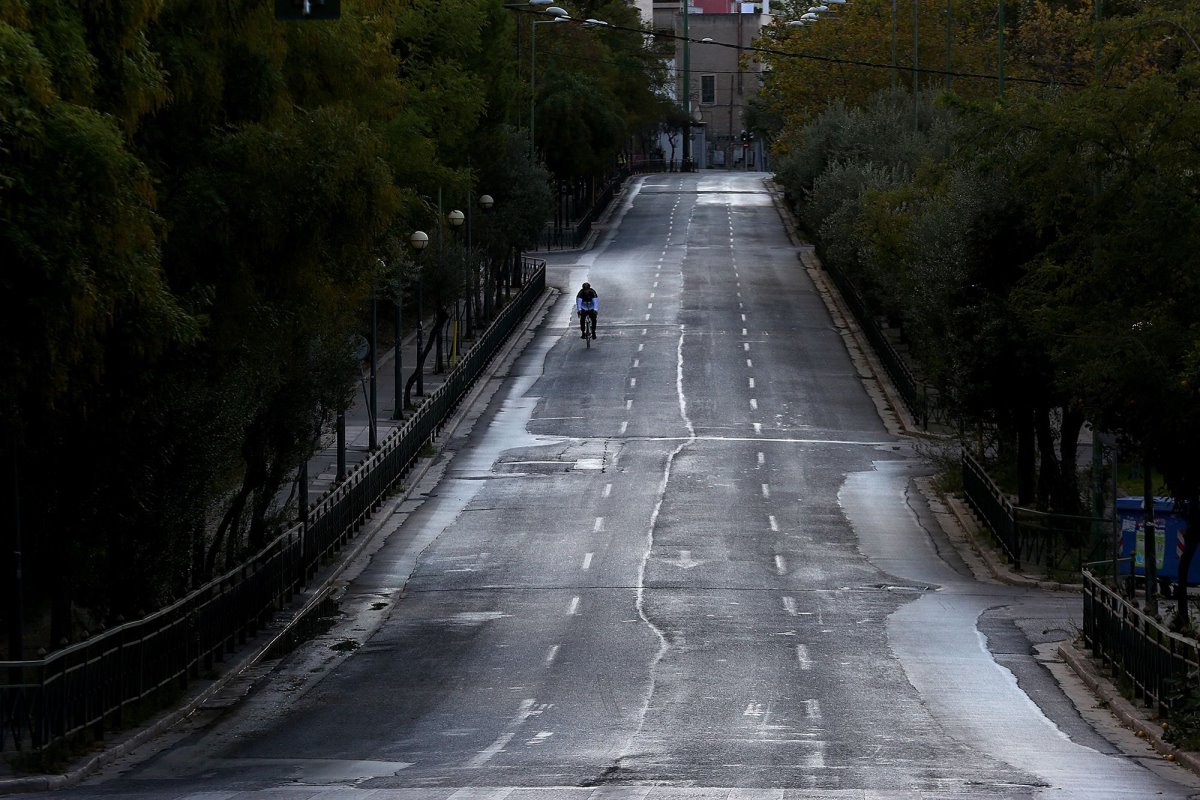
(312, 596)
(1122, 709)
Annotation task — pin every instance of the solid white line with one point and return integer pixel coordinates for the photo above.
(753, 404)
(789, 605)
(802, 657)
(762, 458)
(766, 490)
(752, 383)
(598, 525)
(607, 489)
(780, 565)
(587, 561)
(774, 523)
(550, 655)
(574, 607)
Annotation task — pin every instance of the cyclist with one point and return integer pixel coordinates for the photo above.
(587, 303)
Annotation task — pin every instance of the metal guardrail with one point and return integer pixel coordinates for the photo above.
(94, 685)
(1149, 657)
(1051, 541)
(914, 393)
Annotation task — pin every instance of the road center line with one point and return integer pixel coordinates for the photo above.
(551, 654)
(485, 755)
(752, 383)
(762, 458)
(753, 404)
(774, 523)
(607, 489)
(766, 490)
(573, 609)
(598, 525)
(587, 561)
(789, 605)
(780, 565)
(802, 657)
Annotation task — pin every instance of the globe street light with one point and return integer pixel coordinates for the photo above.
(559, 15)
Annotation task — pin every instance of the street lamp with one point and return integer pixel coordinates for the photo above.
(560, 15)
(456, 219)
(418, 241)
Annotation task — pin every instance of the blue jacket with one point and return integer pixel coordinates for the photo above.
(587, 305)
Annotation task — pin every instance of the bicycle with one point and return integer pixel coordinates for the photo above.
(589, 326)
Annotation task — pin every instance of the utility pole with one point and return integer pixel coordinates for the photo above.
(687, 92)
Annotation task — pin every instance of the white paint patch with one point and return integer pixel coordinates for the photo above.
(646, 318)
(751, 383)
(652, 293)
(766, 490)
(744, 332)
(774, 522)
(743, 317)
(762, 458)
(644, 331)
(540, 737)
(632, 383)
(641, 347)
(628, 404)
(598, 525)
(812, 708)
(649, 306)
(802, 657)
(587, 561)
(758, 428)
(636, 362)
(573, 609)
(789, 605)
(780, 565)
(746, 346)
(749, 363)
(624, 427)
(551, 654)
(753, 404)
(607, 490)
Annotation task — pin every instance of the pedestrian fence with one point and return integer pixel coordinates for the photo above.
(1146, 658)
(1051, 542)
(101, 683)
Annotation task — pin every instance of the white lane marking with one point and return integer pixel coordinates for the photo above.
(587, 561)
(655, 286)
(746, 346)
(607, 489)
(649, 305)
(652, 293)
(551, 654)
(739, 294)
(744, 333)
(647, 317)
(636, 361)
(624, 427)
(762, 458)
(749, 363)
(632, 382)
(789, 605)
(754, 710)
(766, 490)
(641, 347)
(743, 317)
(644, 331)
(802, 657)
(780, 565)
(812, 708)
(774, 522)
(540, 737)
(573, 609)
(628, 404)
(486, 754)
(752, 383)
(753, 404)
(758, 428)
(598, 525)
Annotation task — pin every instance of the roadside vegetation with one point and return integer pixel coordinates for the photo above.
(197, 205)
(1039, 250)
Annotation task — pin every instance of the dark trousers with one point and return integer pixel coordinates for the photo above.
(583, 315)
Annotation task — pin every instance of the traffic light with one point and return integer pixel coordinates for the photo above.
(308, 9)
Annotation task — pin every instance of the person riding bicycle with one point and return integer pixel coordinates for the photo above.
(587, 303)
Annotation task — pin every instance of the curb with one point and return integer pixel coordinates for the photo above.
(311, 596)
(1129, 715)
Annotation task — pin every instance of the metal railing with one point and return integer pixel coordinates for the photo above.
(1150, 658)
(914, 393)
(1053, 542)
(93, 685)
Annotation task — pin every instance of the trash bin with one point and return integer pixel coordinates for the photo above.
(1169, 527)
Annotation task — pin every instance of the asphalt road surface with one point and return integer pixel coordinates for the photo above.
(687, 562)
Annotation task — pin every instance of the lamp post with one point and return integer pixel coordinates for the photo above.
(398, 358)
(687, 91)
(485, 202)
(373, 347)
(456, 219)
(419, 240)
(559, 15)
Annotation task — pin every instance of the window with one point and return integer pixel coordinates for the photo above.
(708, 89)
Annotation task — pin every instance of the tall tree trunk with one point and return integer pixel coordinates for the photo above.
(1048, 470)
(1026, 458)
(1067, 499)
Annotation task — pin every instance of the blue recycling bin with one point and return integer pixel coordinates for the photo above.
(1169, 527)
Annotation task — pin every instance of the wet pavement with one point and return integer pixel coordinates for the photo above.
(687, 562)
